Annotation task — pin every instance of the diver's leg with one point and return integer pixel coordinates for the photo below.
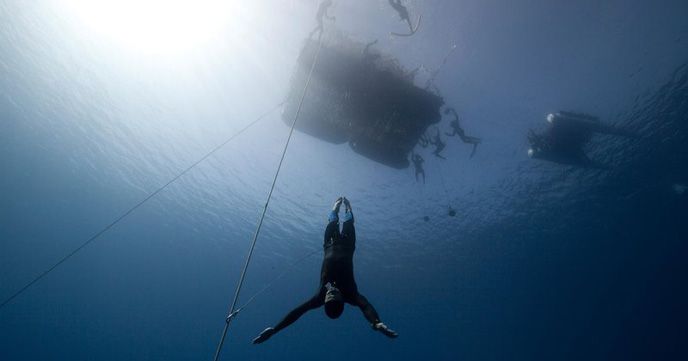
(332, 230)
(408, 21)
(348, 229)
(463, 136)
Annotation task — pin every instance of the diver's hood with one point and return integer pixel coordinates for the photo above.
(334, 302)
(550, 117)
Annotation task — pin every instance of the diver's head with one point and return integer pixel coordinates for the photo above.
(550, 118)
(533, 152)
(334, 302)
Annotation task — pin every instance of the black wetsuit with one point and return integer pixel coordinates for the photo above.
(368, 57)
(338, 269)
(456, 126)
(322, 13)
(402, 11)
(464, 138)
(439, 145)
(563, 141)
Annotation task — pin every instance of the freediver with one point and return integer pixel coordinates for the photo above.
(369, 57)
(460, 132)
(565, 137)
(402, 11)
(418, 165)
(439, 145)
(337, 284)
(366, 49)
(322, 13)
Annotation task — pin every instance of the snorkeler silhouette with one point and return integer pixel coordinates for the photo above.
(439, 145)
(322, 13)
(337, 285)
(418, 165)
(460, 132)
(563, 141)
(404, 15)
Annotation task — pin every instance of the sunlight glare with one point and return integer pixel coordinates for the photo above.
(155, 26)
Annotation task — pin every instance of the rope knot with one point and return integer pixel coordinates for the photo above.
(231, 316)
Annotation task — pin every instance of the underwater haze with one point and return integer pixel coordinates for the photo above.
(102, 103)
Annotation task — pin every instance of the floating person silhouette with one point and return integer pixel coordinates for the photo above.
(418, 165)
(404, 15)
(322, 13)
(366, 49)
(456, 127)
(451, 212)
(337, 285)
(439, 145)
(565, 137)
(369, 58)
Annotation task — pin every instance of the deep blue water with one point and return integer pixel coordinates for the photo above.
(542, 261)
